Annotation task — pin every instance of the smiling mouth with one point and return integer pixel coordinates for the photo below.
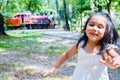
(94, 34)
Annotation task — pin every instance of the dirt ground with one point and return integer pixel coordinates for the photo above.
(35, 64)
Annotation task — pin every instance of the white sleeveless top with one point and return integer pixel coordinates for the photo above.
(88, 67)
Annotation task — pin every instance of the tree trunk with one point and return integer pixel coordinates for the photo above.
(2, 31)
(108, 6)
(56, 2)
(66, 17)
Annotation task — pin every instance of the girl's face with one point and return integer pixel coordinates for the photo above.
(96, 28)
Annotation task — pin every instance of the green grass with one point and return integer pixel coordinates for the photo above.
(4, 65)
(7, 66)
(4, 77)
(18, 41)
(55, 49)
(30, 42)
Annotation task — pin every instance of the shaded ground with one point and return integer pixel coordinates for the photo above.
(22, 67)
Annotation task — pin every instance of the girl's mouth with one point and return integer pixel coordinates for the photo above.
(94, 34)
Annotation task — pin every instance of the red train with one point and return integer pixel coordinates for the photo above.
(29, 21)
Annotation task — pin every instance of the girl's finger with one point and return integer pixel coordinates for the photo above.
(117, 65)
(109, 60)
(46, 74)
(116, 61)
(102, 61)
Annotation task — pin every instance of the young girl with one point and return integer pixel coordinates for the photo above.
(95, 48)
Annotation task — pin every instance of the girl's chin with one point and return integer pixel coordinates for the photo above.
(93, 39)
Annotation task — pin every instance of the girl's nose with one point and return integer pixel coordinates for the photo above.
(95, 28)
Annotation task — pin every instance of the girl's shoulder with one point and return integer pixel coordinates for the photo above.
(80, 45)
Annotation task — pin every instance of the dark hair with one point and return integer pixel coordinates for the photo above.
(110, 35)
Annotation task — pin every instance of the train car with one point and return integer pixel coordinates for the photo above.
(40, 21)
(28, 20)
(18, 20)
(13, 22)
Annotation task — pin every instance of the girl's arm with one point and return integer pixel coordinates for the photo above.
(112, 60)
(67, 54)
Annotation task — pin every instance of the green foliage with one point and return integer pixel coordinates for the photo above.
(14, 6)
(81, 6)
(115, 5)
(85, 7)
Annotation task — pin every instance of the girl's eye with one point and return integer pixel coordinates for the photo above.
(100, 27)
(91, 24)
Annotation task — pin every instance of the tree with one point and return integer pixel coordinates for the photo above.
(79, 8)
(98, 5)
(2, 31)
(66, 16)
(108, 6)
(56, 2)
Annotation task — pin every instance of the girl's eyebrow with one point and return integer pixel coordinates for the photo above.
(91, 21)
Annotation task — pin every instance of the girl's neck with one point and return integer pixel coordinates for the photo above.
(92, 48)
(93, 43)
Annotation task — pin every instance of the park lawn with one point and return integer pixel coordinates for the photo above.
(27, 44)
(30, 42)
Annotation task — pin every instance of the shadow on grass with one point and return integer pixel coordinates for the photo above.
(13, 42)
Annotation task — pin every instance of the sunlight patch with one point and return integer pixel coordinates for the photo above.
(2, 50)
(71, 64)
(31, 67)
(66, 41)
(45, 40)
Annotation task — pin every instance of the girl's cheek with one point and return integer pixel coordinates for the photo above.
(102, 32)
(88, 28)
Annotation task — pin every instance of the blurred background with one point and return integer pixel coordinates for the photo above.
(64, 14)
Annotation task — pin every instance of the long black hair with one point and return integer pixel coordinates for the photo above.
(110, 35)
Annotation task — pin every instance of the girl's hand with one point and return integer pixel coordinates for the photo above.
(111, 62)
(49, 72)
